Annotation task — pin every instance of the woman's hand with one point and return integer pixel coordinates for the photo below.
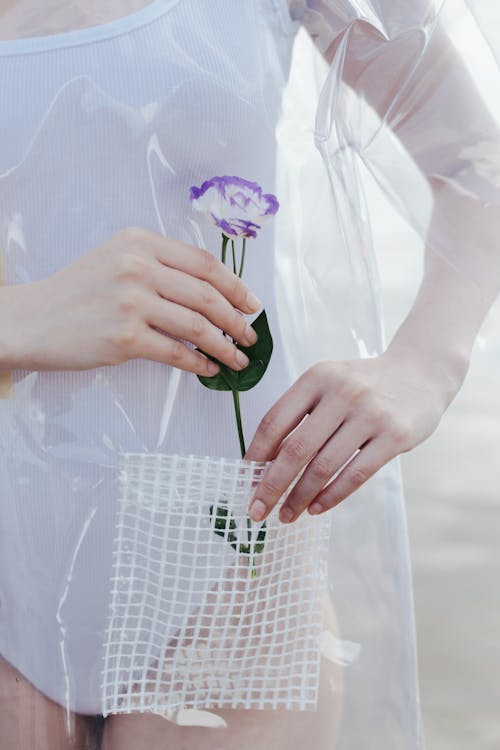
(375, 408)
(117, 303)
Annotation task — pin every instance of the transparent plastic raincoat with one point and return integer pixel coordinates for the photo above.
(116, 595)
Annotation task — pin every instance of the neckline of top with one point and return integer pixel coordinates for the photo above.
(88, 34)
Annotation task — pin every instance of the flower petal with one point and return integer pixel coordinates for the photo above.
(237, 206)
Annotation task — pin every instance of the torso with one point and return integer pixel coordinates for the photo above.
(104, 127)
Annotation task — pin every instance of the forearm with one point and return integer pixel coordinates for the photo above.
(442, 120)
(443, 322)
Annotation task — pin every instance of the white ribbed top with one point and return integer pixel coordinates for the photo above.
(103, 128)
(88, 35)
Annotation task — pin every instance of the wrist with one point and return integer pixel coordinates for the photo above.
(11, 339)
(437, 337)
(6, 363)
(6, 385)
(443, 367)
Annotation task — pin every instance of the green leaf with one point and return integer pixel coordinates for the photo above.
(224, 522)
(259, 355)
(261, 536)
(221, 518)
(225, 380)
(258, 545)
(225, 527)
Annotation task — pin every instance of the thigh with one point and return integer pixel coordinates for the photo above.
(245, 729)
(30, 721)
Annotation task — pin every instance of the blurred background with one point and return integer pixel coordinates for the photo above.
(452, 487)
(452, 484)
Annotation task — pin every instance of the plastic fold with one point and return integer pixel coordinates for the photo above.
(121, 591)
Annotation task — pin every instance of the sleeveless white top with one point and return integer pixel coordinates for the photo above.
(100, 129)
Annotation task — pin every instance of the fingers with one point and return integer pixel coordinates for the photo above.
(202, 264)
(295, 452)
(280, 420)
(160, 348)
(372, 456)
(199, 295)
(350, 436)
(195, 328)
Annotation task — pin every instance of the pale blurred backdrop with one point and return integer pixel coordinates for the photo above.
(452, 484)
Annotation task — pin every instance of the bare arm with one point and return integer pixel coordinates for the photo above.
(343, 420)
(427, 107)
(449, 309)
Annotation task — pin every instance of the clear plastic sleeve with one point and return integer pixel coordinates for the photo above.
(118, 599)
(417, 79)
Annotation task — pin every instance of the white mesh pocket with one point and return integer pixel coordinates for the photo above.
(209, 609)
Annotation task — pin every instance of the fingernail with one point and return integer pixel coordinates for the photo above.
(257, 510)
(286, 514)
(251, 335)
(253, 301)
(212, 368)
(241, 358)
(315, 508)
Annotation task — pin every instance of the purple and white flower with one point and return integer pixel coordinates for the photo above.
(238, 207)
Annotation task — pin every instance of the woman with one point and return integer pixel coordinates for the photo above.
(113, 113)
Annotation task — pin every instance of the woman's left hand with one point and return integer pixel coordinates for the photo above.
(375, 408)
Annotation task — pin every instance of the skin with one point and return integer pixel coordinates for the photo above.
(366, 412)
(245, 729)
(369, 411)
(117, 296)
(26, 18)
(30, 720)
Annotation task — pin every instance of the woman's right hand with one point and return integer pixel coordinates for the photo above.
(105, 308)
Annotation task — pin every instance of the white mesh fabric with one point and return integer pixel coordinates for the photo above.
(195, 624)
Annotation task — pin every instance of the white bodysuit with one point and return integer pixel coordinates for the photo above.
(104, 128)
(109, 127)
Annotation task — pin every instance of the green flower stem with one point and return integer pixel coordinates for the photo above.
(234, 256)
(242, 256)
(236, 399)
(225, 240)
(236, 395)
